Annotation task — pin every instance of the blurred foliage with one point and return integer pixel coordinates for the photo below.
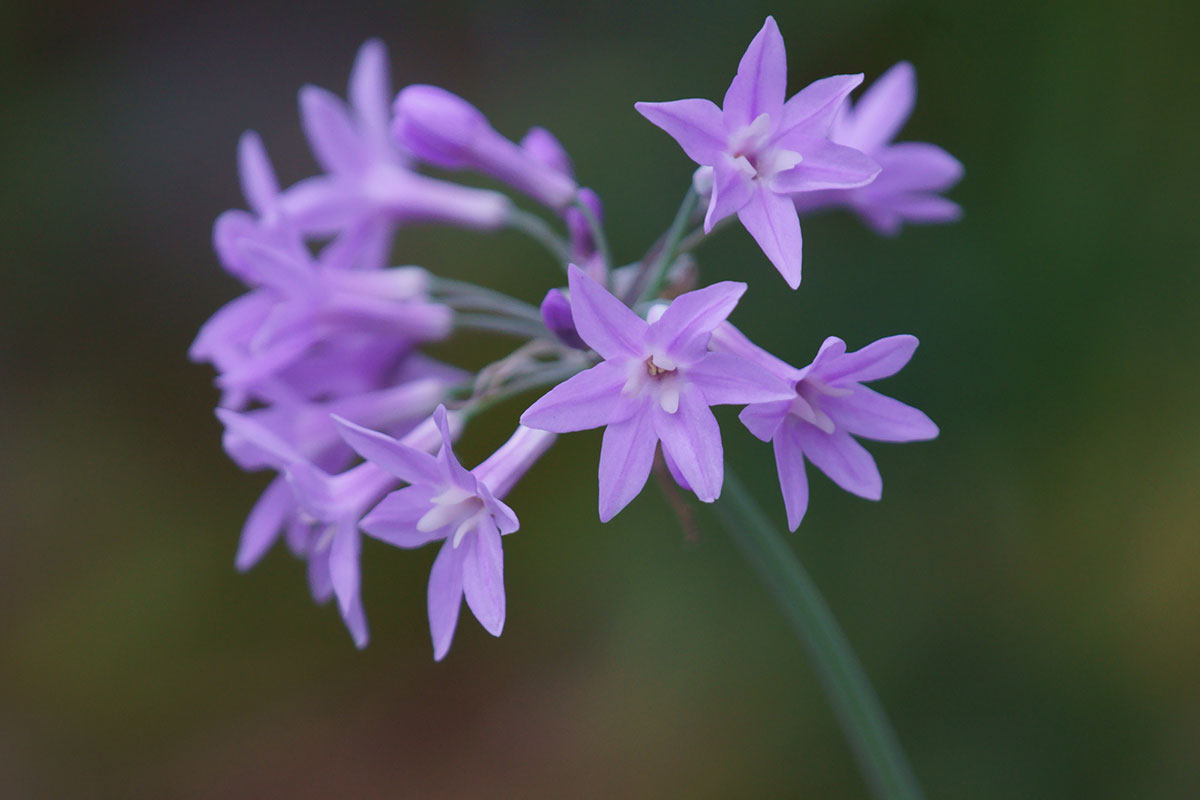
(1024, 597)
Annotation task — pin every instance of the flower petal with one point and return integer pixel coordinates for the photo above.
(733, 183)
(693, 439)
(444, 597)
(394, 519)
(356, 622)
(883, 109)
(686, 325)
(726, 379)
(793, 482)
(344, 563)
(772, 220)
(763, 419)
(587, 400)
(264, 523)
(259, 184)
(607, 325)
(871, 415)
(811, 111)
(406, 463)
(626, 456)
(335, 142)
(845, 461)
(825, 166)
(916, 167)
(370, 93)
(697, 125)
(451, 469)
(879, 359)
(483, 577)
(320, 584)
(761, 81)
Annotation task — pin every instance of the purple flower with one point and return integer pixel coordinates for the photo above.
(443, 129)
(656, 383)
(906, 190)
(368, 188)
(763, 151)
(829, 406)
(446, 502)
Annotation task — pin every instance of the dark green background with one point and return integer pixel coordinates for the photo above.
(1024, 597)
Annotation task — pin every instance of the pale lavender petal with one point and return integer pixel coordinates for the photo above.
(916, 167)
(871, 415)
(673, 468)
(406, 463)
(626, 456)
(370, 92)
(726, 379)
(451, 469)
(356, 622)
(324, 204)
(343, 563)
(264, 523)
(761, 81)
(763, 419)
(334, 141)
(394, 519)
(825, 166)
(883, 109)
(604, 322)
(793, 482)
(544, 147)
(811, 111)
(504, 517)
(845, 461)
(733, 184)
(697, 125)
(246, 437)
(445, 597)
(320, 584)
(587, 400)
(257, 176)
(880, 359)
(772, 220)
(483, 577)
(916, 208)
(693, 439)
(685, 327)
(728, 339)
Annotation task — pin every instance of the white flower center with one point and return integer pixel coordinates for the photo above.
(807, 403)
(658, 374)
(456, 507)
(750, 149)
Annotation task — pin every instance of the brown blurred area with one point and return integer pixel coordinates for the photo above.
(1024, 597)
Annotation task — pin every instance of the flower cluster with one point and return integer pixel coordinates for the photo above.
(319, 363)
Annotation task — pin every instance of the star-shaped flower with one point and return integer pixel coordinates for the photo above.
(763, 151)
(656, 383)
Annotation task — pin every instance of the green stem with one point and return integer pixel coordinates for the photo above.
(541, 232)
(469, 297)
(525, 329)
(854, 701)
(654, 271)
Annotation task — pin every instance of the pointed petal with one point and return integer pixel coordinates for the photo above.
(607, 325)
(406, 463)
(319, 581)
(763, 419)
(733, 183)
(728, 339)
(826, 166)
(626, 456)
(875, 416)
(451, 469)
(793, 482)
(264, 523)
(259, 184)
(726, 379)
(587, 400)
(772, 220)
(697, 125)
(883, 109)
(504, 517)
(880, 359)
(685, 327)
(243, 433)
(761, 81)
(343, 563)
(335, 142)
(444, 597)
(356, 622)
(918, 209)
(370, 92)
(483, 577)
(917, 167)
(811, 111)
(845, 461)
(693, 439)
(394, 519)
(676, 474)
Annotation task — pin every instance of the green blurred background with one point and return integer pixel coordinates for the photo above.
(1024, 597)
